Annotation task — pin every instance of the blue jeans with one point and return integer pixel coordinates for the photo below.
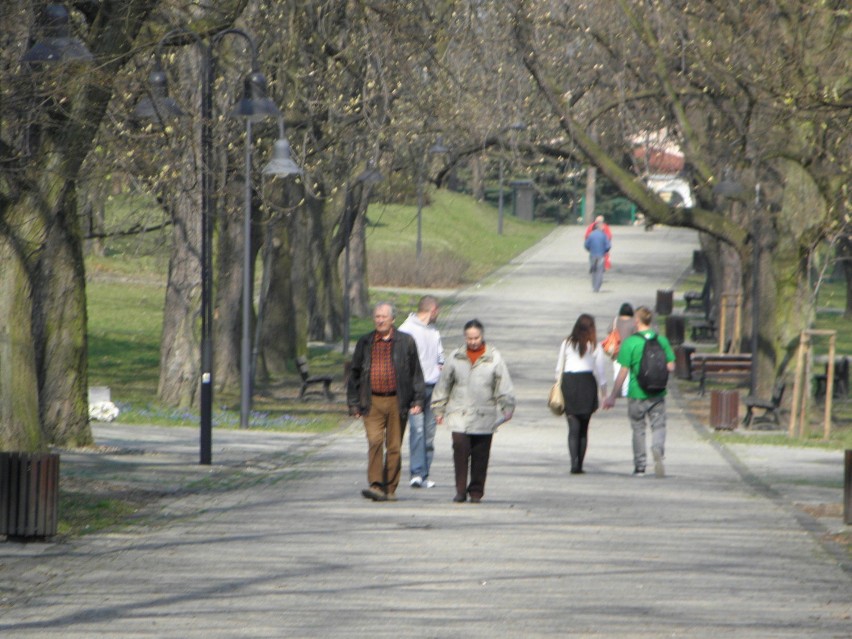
(654, 412)
(421, 437)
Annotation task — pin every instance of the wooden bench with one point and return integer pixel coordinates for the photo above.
(701, 300)
(703, 331)
(841, 379)
(770, 407)
(720, 365)
(309, 380)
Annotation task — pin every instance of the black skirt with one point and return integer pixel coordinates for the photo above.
(580, 391)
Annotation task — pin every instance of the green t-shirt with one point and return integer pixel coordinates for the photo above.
(630, 355)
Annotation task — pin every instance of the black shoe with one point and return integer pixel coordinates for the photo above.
(461, 497)
(577, 471)
(375, 494)
(639, 471)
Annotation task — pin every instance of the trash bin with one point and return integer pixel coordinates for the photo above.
(29, 494)
(683, 362)
(675, 329)
(664, 302)
(724, 409)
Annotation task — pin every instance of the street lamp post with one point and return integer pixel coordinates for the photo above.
(517, 126)
(157, 105)
(435, 149)
(755, 291)
(254, 105)
(281, 165)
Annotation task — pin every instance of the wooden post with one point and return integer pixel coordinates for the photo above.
(805, 394)
(738, 317)
(797, 383)
(829, 387)
(723, 321)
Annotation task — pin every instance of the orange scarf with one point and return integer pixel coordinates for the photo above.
(475, 355)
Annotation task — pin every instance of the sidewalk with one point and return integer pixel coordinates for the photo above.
(274, 540)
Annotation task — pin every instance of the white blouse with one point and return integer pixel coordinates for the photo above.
(592, 361)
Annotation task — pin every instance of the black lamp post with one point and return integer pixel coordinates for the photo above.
(435, 149)
(517, 126)
(755, 290)
(254, 103)
(281, 165)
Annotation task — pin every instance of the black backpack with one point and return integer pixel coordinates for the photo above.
(653, 374)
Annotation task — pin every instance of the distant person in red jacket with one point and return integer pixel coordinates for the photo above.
(605, 228)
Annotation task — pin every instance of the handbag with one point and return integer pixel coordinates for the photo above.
(555, 400)
(612, 343)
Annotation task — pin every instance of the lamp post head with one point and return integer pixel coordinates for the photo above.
(371, 175)
(255, 103)
(282, 164)
(58, 45)
(158, 104)
(439, 147)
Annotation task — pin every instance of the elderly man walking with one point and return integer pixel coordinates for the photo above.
(385, 385)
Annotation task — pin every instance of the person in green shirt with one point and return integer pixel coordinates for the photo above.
(643, 408)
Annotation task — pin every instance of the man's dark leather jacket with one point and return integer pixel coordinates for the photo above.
(409, 377)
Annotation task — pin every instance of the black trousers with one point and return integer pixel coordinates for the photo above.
(578, 438)
(472, 450)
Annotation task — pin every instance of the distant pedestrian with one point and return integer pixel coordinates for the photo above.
(580, 368)
(625, 324)
(598, 245)
(643, 408)
(608, 231)
(385, 384)
(474, 396)
(421, 434)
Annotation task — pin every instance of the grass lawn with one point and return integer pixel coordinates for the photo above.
(126, 292)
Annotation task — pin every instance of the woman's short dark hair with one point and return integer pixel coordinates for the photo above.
(626, 309)
(474, 323)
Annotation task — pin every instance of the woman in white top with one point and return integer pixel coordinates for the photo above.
(580, 368)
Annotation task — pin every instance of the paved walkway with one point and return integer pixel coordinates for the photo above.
(284, 546)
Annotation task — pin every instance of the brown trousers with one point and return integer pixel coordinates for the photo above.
(385, 429)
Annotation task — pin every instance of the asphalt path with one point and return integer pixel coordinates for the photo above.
(275, 540)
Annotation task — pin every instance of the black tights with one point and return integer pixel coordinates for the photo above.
(578, 437)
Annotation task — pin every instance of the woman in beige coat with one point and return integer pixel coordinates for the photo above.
(473, 397)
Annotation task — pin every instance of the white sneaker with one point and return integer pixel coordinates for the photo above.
(659, 468)
(428, 483)
(416, 482)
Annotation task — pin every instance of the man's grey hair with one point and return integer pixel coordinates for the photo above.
(389, 305)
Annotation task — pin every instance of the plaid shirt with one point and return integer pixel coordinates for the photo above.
(382, 372)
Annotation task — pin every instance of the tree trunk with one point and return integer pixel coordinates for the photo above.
(59, 327)
(20, 427)
(359, 292)
(279, 336)
(227, 317)
(180, 347)
(844, 256)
